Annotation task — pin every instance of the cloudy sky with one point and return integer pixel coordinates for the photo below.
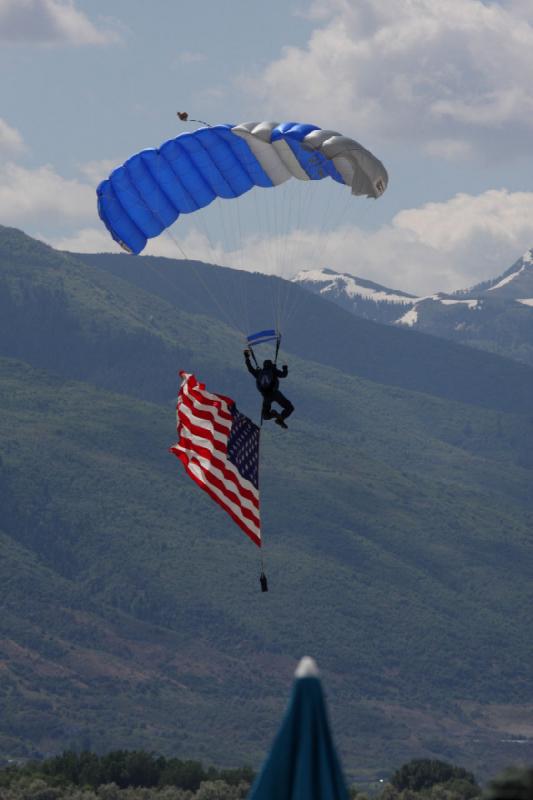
(440, 90)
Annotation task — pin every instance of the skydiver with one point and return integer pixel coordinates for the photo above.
(267, 382)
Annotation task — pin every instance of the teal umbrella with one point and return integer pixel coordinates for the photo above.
(302, 764)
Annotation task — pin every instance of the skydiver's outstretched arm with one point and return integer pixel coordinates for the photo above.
(251, 370)
(283, 372)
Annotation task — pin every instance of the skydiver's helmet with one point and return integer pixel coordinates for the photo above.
(267, 364)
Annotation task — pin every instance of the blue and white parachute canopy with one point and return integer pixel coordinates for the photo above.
(145, 195)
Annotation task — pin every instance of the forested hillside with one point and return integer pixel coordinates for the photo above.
(397, 527)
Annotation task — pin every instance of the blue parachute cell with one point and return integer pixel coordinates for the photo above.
(145, 195)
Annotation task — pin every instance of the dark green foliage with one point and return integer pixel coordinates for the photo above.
(124, 768)
(515, 783)
(423, 773)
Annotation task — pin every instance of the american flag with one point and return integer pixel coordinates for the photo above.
(219, 448)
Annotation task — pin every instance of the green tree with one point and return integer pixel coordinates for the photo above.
(424, 773)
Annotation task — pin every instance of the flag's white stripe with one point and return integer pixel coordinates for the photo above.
(206, 409)
(213, 464)
(197, 470)
(188, 418)
(198, 422)
(199, 441)
(249, 528)
(213, 410)
(208, 466)
(215, 398)
(196, 440)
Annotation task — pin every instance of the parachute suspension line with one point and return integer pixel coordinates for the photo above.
(244, 281)
(250, 348)
(139, 200)
(294, 214)
(230, 319)
(230, 220)
(140, 177)
(303, 197)
(260, 207)
(292, 217)
(295, 195)
(306, 200)
(278, 247)
(238, 285)
(296, 299)
(200, 222)
(175, 241)
(270, 246)
(278, 342)
(276, 219)
(206, 287)
(263, 582)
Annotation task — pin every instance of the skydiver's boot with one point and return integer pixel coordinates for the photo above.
(281, 422)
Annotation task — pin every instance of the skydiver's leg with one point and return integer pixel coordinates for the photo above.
(286, 405)
(266, 411)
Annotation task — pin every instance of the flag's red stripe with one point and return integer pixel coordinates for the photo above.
(202, 433)
(209, 399)
(250, 494)
(227, 492)
(248, 530)
(238, 495)
(231, 496)
(199, 391)
(208, 416)
(210, 428)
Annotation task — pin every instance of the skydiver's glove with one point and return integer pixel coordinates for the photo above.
(285, 367)
(246, 353)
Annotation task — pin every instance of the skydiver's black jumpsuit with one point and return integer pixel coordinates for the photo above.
(272, 395)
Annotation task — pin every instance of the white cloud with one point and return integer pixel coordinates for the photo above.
(96, 171)
(30, 195)
(11, 141)
(443, 70)
(191, 57)
(438, 247)
(497, 214)
(451, 149)
(85, 240)
(50, 22)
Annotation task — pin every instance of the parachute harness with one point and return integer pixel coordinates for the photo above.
(262, 337)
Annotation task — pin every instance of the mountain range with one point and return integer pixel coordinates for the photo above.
(397, 515)
(496, 315)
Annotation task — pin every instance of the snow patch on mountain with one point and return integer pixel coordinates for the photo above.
(527, 301)
(508, 278)
(448, 301)
(351, 286)
(410, 318)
